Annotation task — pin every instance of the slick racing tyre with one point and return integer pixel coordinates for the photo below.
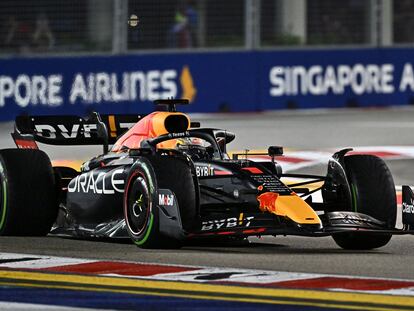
(28, 193)
(141, 209)
(372, 193)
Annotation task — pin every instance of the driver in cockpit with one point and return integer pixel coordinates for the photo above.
(195, 148)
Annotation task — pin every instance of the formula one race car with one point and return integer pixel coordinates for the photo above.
(165, 180)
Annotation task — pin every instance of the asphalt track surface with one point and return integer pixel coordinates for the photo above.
(311, 130)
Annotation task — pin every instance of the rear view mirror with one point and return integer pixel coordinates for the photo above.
(275, 151)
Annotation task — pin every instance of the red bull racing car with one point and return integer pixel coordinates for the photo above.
(165, 180)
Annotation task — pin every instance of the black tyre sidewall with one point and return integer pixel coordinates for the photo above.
(150, 232)
(31, 202)
(372, 193)
(376, 196)
(162, 172)
(4, 213)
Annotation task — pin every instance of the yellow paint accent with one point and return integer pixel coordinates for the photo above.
(112, 126)
(295, 208)
(158, 128)
(158, 122)
(312, 186)
(187, 84)
(241, 219)
(75, 164)
(204, 291)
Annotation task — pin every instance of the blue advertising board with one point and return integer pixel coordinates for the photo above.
(336, 78)
(213, 81)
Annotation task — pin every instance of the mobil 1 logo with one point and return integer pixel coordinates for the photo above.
(166, 198)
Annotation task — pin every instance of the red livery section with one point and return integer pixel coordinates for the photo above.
(121, 268)
(252, 170)
(218, 172)
(267, 201)
(26, 144)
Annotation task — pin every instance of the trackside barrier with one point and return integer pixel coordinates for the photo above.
(219, 81)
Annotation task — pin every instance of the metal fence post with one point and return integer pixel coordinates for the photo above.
(248, 21)
(201, 27)
(387, 28)
(99, 16)
(120, 30)
(257, 24)
(252, 24)
(374, 26)
(380, 22)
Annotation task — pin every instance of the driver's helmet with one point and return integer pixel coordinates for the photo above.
(189, 141)
(181, 143)
(194, 147)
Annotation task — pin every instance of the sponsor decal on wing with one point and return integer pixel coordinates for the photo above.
(232, 222)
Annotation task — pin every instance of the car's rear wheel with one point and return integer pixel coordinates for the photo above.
(372, 193)
(28, 193)
(141, 209)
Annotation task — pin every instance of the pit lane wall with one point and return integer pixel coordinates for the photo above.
(213, 81)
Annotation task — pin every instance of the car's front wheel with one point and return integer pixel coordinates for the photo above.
(141, 210)
(372, 193)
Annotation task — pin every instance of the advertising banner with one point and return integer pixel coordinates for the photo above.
(219, 81)
(336, 78)
(126, 84)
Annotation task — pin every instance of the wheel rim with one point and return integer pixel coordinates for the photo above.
(138, 208)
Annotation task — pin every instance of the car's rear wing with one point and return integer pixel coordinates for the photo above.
(71, 130)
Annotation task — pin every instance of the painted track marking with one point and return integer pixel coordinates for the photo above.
(206, 291)
(208, 275)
